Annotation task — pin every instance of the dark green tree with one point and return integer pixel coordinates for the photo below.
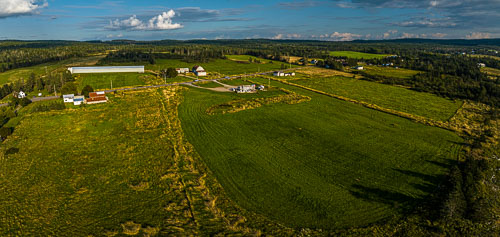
(171, 72)
(86, 90)
(69, 88)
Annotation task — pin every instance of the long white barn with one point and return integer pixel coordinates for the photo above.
(139, 69)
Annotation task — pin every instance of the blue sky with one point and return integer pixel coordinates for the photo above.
(336, 20)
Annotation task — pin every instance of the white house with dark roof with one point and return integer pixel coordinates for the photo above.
(69, 98)
(199, 71)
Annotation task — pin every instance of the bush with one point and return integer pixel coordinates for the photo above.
(5, 132)
(86, 90)
(24, 102)
(11, 150)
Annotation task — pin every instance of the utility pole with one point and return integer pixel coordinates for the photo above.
(55, 92)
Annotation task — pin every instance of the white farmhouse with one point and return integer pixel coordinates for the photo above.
(199, 71)
(359, 68)
(481, 65)
(112, 69)
(21, 94)
(69, 98)
(182, 70)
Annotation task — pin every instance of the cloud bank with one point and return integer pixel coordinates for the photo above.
(159, 22)
(20, 7)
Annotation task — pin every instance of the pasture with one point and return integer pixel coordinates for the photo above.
(322, 164)
(491, 71)
(392, 97)
(218, 66)
(389, 72)
(121, 168)
(357, 55)
(103, 80)
(25, 72)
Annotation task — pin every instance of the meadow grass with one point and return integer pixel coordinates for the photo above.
(392, 97)
(491, 71)
(220, 66)
(323, 164)
(103, 80)
(25, 72)
(390, 72)
(358, 55)
(96, 170)
(245, 58)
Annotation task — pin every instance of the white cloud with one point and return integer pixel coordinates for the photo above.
(336, 36)
(439, 35)
(160, 22)
(277, 37)
(20, 7)
(478, 35)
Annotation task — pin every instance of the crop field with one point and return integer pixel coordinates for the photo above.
(121, 168)
(103, 80)
(302, 165)
(16, 74)
(390, 72)
(221, 66)
(359, 55)
(392, 97)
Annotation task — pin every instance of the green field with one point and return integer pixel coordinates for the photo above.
(392, 97)
(103, 80)
(491, 71)
(222, 66)
(245, 58)
(302, 165)
(89, 171)
(390, 72)
(25, 72)
(358, 55)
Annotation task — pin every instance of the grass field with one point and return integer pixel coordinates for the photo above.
(392, 97)
(491, 71)
(390, 72)
(16, 74)
(358, 55)
(103, 80)
(222, 66)
(116, 168)
(245, 58)
(323, 163)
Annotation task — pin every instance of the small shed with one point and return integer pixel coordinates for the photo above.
(68, 98)
(78, 100)
(182, 70)
(21, 94)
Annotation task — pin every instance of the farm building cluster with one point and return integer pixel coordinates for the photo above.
(94, 98)
(197, 70)
(247, 88)
(283, 74)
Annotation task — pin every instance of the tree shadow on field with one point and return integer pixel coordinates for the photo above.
(447, 164)
(401, 202)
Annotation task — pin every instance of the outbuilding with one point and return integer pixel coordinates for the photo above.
(182, 70)
(21, 94)
(78, 100)
(69, 98)
(112, 69)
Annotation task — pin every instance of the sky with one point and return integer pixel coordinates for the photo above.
(331, 20)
